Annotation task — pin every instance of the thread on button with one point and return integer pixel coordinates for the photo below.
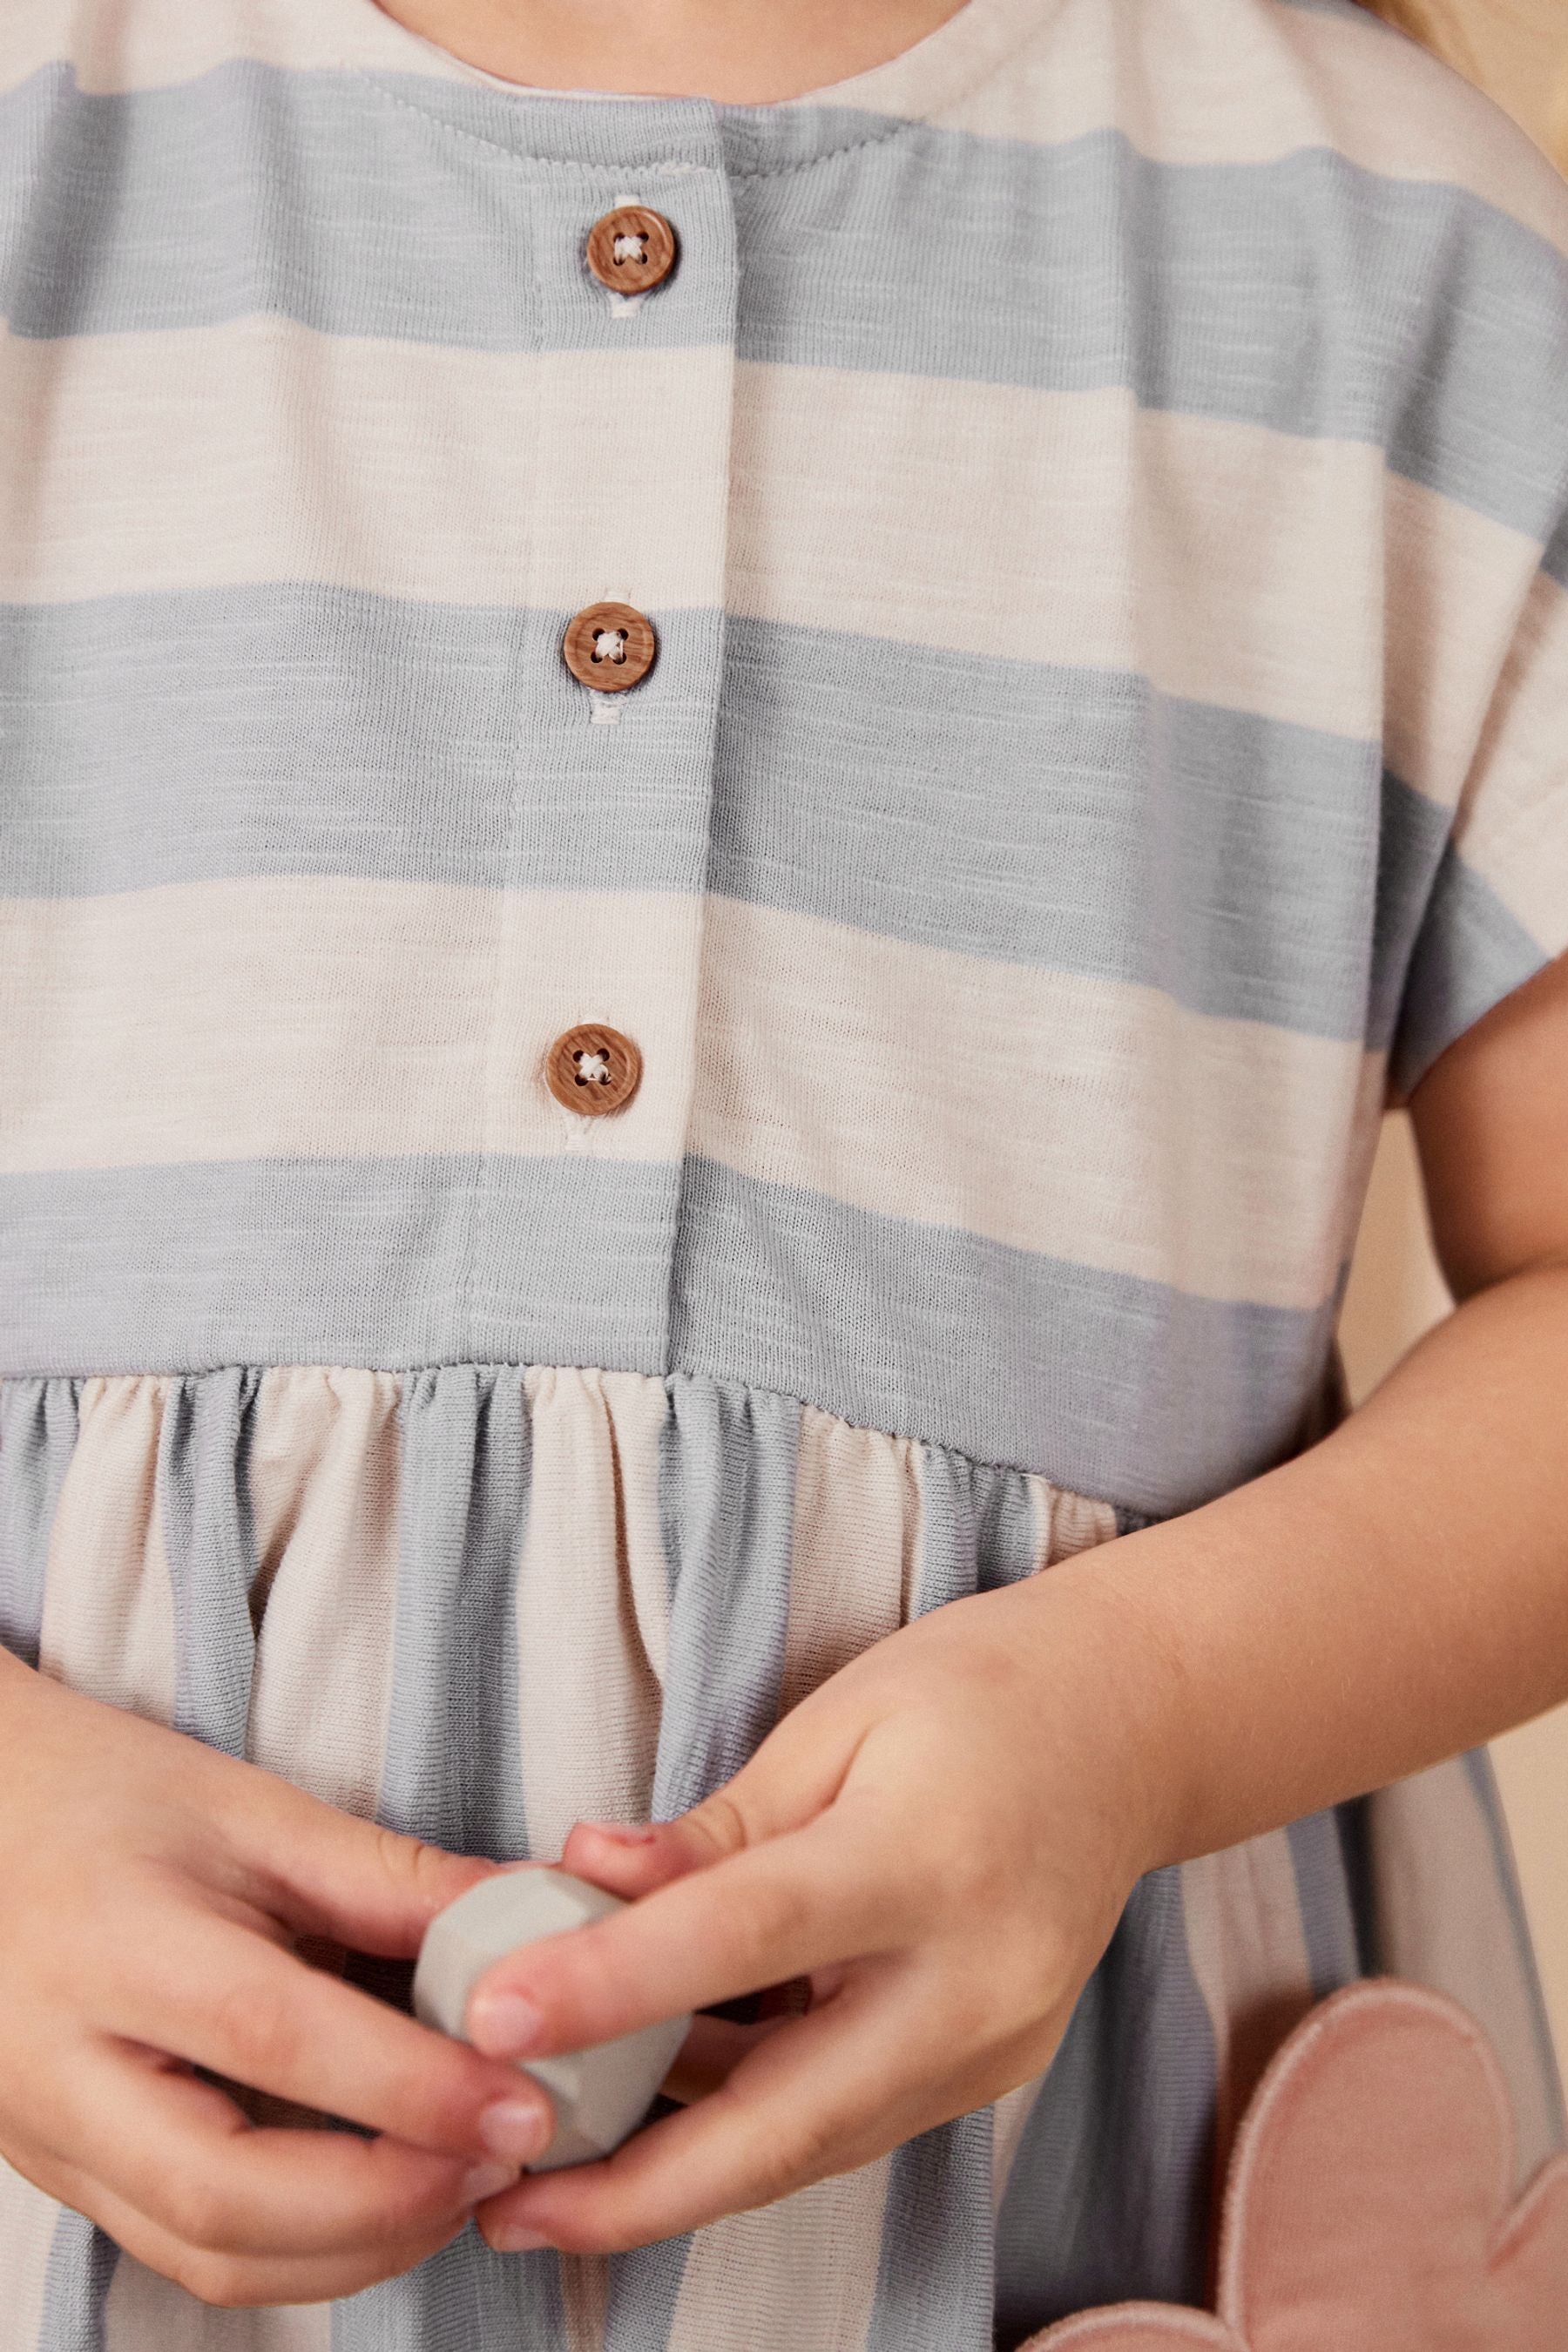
(610, 644)
(632, 247)
(621, 307)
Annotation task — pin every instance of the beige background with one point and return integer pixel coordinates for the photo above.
(1517, 51)
(1397, 1292)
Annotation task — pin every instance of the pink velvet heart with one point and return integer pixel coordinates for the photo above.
(1367, 2207)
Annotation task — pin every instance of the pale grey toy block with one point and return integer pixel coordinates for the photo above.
(601, 2094)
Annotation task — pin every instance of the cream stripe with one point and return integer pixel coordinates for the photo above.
(324, 1478)
(1442, 1921)
(856, 1548)
(145, 2314)
(1190, 81)
(1244, 1942)
(1457, 584)
(1513, 825)
(121, 45)
(1048, 1111)
(325, 1471)
(245, 1019)
(801, 2272)
(227, 1020)
(588, 1584)
(804, 2270)
(593, 1631)
(259, 450)
(27, 2220)
(1067, 1523)
(108, 1604)
(1109, 544)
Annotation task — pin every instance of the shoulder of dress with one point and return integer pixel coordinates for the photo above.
(1231, 83)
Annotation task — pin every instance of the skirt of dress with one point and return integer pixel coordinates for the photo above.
(478, 1601)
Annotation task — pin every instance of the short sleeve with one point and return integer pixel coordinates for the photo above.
(1497, 909)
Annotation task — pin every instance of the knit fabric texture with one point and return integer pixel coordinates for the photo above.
(1100, 486)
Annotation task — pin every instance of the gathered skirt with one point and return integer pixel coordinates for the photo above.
(478, 1601)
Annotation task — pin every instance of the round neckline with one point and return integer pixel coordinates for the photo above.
(916, 84)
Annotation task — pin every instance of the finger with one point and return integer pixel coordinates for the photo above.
(825, 2094)
(184, 2154)
(226, 1998)
(238, 2281)
(327, 1872)
(795, 1773)
(815, 1897)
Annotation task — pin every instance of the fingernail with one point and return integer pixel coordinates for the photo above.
(505, 2025)
(516, 2129)
(511, 2238)
(488, 2181)
(622, 1832)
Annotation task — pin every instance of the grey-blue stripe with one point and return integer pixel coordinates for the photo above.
(923, 1330)
(1471, 951)
(284, 1261)
(1322, 1848)
(935, 2272)
(933, 1333)
(203, 1464)
(1303, 294)
(38, 1424)
(452, 1775)
(1481, 1774)
(1074, 819)
(1109, 2195)
(82, 2266)
(727, 1470)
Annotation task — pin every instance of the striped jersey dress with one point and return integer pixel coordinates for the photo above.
(1099, 486)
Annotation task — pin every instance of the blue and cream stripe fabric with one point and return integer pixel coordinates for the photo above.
(1100, 483)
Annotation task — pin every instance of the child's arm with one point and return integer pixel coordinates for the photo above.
(154, 1891)
(946, 1831)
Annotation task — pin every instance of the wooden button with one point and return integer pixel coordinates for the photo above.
(631, 249)
(593, 1070)
(609, 646)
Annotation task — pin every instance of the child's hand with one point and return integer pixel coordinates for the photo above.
(150, 1890)
(941, 1838)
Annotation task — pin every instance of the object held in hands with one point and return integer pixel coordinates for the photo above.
(600, 2095)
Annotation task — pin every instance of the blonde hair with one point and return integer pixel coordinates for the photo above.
(1467, 35)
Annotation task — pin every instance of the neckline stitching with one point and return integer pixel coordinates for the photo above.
(895, 127)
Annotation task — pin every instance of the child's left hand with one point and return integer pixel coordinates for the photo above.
(940, 1838)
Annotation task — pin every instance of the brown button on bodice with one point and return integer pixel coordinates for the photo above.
(609, 646)
(631, 249)
(593, 1070)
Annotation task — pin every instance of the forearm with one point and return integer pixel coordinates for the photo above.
(1396, 1594)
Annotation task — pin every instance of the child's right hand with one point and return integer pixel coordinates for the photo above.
(150, 1891)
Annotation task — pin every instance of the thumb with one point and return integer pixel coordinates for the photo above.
(324, 1871)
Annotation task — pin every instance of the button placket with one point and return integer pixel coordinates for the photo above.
(597, 977)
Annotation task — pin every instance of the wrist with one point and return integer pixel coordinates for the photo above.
(1119, 1694)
